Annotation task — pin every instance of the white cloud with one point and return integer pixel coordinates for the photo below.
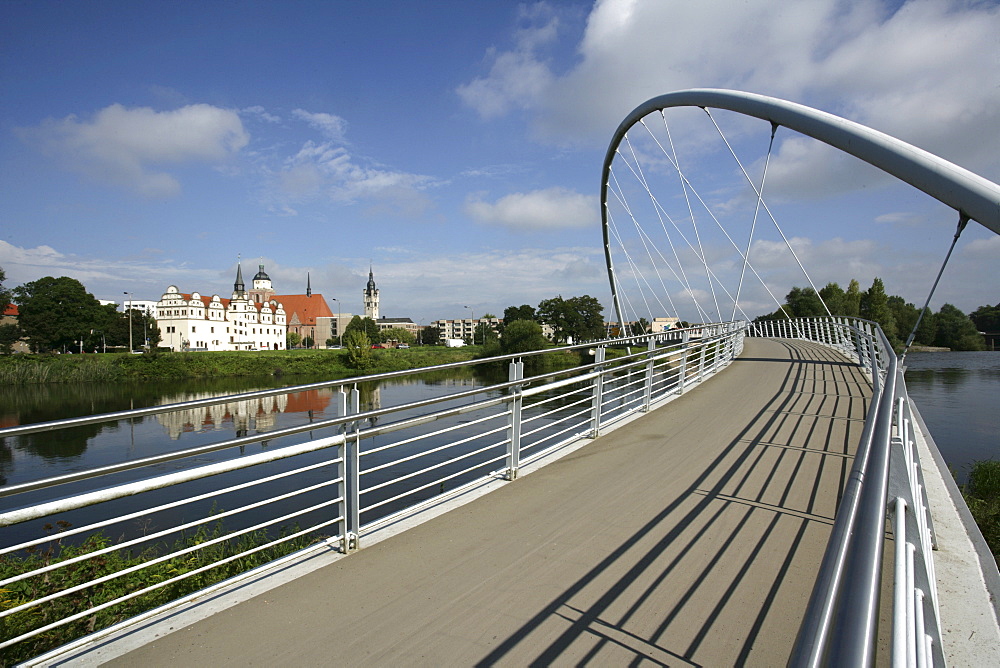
(121, 145)
(924, 72)
(260, 112)
(518, 77)
(327, 170)
(332, 127)
(551, 208)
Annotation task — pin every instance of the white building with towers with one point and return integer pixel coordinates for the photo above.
(249, 320)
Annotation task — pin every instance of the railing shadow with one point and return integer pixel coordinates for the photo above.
(761, 499)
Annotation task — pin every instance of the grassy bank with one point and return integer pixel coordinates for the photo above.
(117, 367)
(982, 495)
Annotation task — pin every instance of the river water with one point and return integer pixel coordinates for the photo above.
(958, 395)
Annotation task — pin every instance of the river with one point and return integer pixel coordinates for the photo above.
(958, 395)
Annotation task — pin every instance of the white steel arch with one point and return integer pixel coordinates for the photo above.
(973, 196)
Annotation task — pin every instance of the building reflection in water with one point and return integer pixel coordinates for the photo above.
(254, 415)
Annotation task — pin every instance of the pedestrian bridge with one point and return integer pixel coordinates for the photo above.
(685, 516)
(720, 495)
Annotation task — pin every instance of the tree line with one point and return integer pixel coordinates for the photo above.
(59, 315)
(949, 327)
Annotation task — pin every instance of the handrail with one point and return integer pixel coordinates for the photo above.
(337, 490)
(840, 626)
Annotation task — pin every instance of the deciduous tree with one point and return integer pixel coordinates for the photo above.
(56, 312)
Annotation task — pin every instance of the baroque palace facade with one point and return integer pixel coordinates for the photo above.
(249, 320)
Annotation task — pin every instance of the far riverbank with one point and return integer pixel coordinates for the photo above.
(123, 367)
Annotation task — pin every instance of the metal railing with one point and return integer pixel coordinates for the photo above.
(181, 516)
(841, 625)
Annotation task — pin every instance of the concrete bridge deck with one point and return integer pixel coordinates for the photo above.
(690, 536)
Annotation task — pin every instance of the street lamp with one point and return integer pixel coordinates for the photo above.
(473, 318)
(129, 320)
(340, 337)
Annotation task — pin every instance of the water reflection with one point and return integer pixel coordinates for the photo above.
(958, 395)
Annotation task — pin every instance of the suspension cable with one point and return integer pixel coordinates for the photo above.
(753, 225)
(771, 215)
(963, 220)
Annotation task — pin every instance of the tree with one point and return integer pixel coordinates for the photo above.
(308, 342)
(5, 294)
(56, 312)
(804, 303)
(956, 331)
(985, 318)
(484, 333)
(522, 312)
(577, 318)
(396, 334)
(331, 342)
(366, 325)
(640, 326)
(875, 307)
(905, 315)
(292, 339)
(833, 296)
(852, 300)
(430, 336)
(522, 336)
(359, 349)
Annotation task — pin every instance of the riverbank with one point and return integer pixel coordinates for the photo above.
(330, 364)
(121, 367)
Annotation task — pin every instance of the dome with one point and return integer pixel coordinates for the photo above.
(261, 276)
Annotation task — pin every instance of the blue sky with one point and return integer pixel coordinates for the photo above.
(457, 146)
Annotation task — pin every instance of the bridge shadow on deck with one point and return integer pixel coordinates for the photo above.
(689, 537)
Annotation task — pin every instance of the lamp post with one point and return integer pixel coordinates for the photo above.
(340, 337)
(129, 321)
(473, 318)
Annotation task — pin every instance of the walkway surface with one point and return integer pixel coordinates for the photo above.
(690, 536)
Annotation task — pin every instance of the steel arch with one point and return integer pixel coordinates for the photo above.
(971, 195)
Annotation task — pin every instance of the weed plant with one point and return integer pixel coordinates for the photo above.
(39, 586)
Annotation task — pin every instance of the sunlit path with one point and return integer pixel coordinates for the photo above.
(690, 536)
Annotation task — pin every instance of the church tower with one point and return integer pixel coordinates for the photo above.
(239, 290)
(262, 289)
(371, 297)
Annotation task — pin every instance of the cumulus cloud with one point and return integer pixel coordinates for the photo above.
(922, 71)
(548, 209)
(518, 77)
(332, 127)
(126, 146)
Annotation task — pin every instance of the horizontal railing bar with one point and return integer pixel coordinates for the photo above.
(430, 434)
(128, 489)
(435, 482)
(167, 506)
(424, 453)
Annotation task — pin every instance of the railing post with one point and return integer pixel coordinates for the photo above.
(701, 357)
(595, 408)
(648, 392)
(352, 536)
(515, 372)
(682, 376)
(340, 408)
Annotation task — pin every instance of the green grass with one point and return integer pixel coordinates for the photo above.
(982, 495)
(117, 367)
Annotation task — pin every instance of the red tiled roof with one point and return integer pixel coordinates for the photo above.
(308, 307)
(11, 309)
